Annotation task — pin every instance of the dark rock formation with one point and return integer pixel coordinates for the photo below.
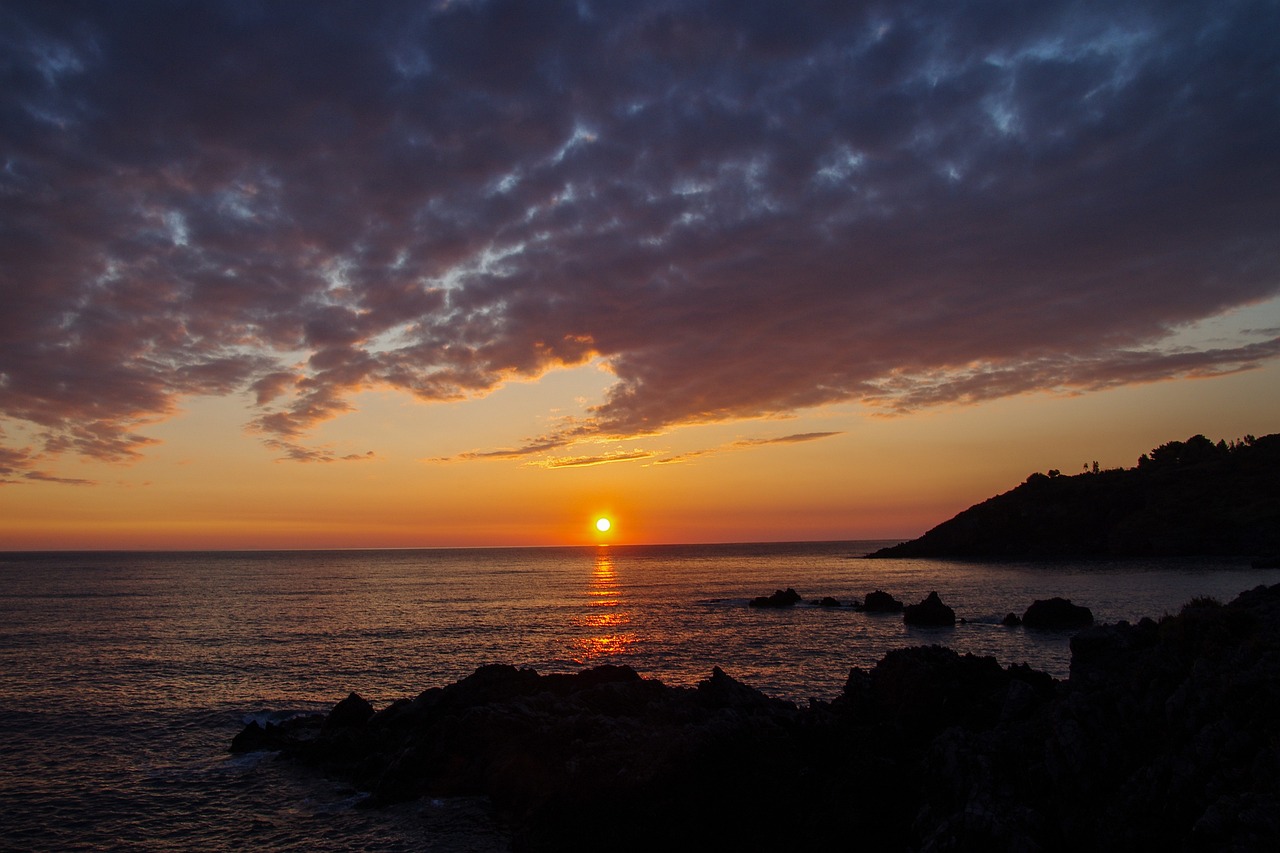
(881, 602)
(355, 710)
(1185, 498)
(1166, 736)
(780, 598)
(828, 601)
(931, 611)
(1011, 620)
(1056, 614)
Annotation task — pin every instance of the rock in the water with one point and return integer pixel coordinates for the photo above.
(1165, 737)
(780, 598)
(1011, 620)
(881, 602)
(828, 601)
(931, 611)
(355, 710)
(287, 735)
(251, 738)
(1056, 614)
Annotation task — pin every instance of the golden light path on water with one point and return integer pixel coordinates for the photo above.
(606, 620)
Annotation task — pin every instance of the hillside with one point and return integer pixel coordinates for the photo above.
(1185, 498)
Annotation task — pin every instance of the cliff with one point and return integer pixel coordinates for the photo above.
(1192, 498)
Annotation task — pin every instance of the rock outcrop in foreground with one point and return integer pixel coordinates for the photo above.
(1166, 736)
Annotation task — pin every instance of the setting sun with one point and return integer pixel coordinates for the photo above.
(603, 525)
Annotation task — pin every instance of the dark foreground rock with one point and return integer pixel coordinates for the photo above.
(1166, 736)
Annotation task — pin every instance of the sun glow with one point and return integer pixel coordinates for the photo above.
(603, 525)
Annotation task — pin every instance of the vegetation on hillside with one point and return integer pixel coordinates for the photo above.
(1192, 498)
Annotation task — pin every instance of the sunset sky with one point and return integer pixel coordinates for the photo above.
(294, 275)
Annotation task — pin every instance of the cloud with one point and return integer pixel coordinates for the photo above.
(745, 444)
(19, 464)
(742, 209)
(66, 481)
(796, 438)
(298, 453)
(529, 448)
(13, 463)
(588, 461)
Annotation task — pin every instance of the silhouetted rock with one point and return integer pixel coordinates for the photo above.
(927, 688)
(355, 710)
(252, 738)
(780, 598)
(1056, 614)
(881, 602)
(1185, 498)
(723, 691)
(1011, 620)
(286, 735)
(931, 611)
(1166, 736)
(828, 601)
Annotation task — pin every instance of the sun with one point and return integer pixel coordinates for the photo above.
(603, 525)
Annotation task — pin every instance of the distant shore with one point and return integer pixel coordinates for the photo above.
(1192, 498)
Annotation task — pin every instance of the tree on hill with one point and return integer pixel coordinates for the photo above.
(1193, 497)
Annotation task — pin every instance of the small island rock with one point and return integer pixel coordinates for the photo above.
(931, 611)
(780, 598)
(1056, 614)
(881, 602)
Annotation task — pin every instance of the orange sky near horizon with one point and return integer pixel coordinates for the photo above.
(209, 485)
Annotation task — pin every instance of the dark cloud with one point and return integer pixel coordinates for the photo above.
(743, 209)
(66, 481)
(14, 462)
(19, 464)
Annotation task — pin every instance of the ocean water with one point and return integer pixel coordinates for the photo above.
(124, 676)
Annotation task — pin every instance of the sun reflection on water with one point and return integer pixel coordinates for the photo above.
(606, 618)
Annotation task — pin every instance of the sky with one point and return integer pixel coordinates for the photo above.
(476, 272)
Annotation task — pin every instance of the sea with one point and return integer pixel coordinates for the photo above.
(124, 676)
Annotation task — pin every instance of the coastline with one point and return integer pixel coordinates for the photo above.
(1188, 498)
(929, 748)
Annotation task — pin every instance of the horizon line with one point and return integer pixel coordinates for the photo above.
(579, 546)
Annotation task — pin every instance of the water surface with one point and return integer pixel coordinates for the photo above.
(123, 676)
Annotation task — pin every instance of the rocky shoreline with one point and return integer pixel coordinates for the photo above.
(1166, 735)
